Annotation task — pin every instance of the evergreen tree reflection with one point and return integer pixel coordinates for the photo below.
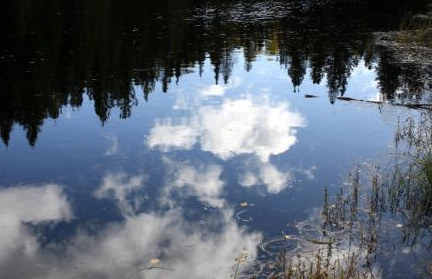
(53, 53)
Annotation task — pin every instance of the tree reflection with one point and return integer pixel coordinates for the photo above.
(53, 53)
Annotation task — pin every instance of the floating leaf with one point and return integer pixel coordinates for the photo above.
(154, 261)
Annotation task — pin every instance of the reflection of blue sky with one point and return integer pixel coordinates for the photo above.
(362, 84)
(228, 126)
(212, 145)
(255, 121)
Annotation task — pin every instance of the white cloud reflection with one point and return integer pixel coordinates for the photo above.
(120, 187)
(213, 90)
(202, 181)
(28, 205)
(265, 174)
(167, 136)
(113, 146)
(186, 249)
(235, 127)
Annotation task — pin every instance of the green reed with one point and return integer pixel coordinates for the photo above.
(401, 192)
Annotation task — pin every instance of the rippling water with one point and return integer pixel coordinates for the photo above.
(164, 139)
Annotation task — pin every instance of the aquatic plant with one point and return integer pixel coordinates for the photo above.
(371, 217)
(410, 187)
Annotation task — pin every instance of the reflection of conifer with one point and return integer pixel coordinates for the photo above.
(52, 59)
(297, 70)
(317, 63)
(338, 69)
(388, 76)
(5, 130)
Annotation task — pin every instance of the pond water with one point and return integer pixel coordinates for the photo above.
(163, 139)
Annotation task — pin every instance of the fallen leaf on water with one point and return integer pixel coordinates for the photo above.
(154, 261)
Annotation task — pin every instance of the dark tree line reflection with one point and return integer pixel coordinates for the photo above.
(54, 52)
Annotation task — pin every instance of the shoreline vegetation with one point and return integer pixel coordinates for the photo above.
(412, 43)
(410, 49)
(386, 214)
(380, 217)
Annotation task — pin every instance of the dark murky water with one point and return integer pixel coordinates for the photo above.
(182, 131)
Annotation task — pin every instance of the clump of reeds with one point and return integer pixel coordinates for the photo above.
(401, 193)
(410, 186)
(343, 212)
(322, 265)
(332, 259)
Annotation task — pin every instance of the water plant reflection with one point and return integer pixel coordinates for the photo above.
(382, 222)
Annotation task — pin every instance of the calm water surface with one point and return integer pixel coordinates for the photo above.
(182, 130)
